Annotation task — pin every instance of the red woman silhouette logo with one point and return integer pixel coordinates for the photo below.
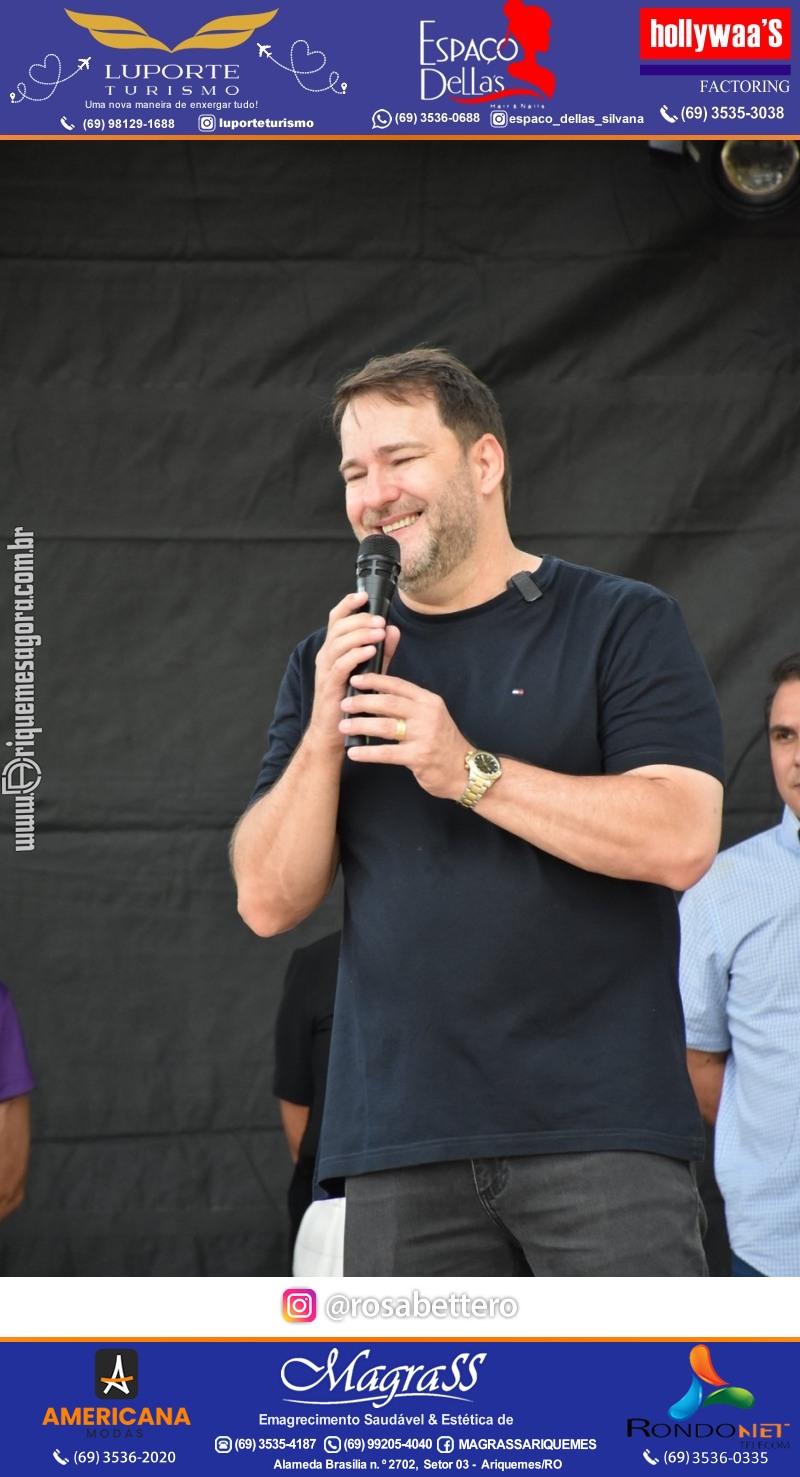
(528, 32)
(530, 27)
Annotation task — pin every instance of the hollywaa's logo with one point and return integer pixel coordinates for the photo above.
(704, 1374)
(721, 33)
(527, 36)
(125, 35)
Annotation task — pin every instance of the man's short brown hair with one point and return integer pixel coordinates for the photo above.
(786, 670)
(465, 404)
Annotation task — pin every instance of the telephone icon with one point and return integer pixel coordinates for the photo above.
(70, 127)
(653, 1460)
(665, 113)
(59, 1458)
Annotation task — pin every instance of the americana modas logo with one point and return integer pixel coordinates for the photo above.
(116, 1374)
(116, 1384)
(698, 1394)
(125, 35)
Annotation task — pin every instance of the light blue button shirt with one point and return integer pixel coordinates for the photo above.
(740, 982)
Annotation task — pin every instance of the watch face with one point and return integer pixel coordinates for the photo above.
(486, 764)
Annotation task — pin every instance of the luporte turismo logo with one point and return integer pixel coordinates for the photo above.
(127, 35)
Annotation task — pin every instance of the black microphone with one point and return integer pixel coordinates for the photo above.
(377, 571)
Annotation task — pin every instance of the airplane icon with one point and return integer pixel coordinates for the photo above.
(264, 50)
(83, 63)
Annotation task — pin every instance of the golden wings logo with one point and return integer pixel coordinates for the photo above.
(218, 35)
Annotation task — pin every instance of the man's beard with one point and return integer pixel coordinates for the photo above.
(451, 536)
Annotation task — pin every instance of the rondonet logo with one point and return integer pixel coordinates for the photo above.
(706, 1393)
(125, 35)
(361, 1382)
(703, 1376)
(719, 33)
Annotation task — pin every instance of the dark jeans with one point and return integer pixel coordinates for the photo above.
(740, 1268)
(549, 1215)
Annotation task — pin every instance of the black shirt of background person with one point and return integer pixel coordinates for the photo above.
(302, 1043)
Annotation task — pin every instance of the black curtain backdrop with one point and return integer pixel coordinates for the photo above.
(174, 318)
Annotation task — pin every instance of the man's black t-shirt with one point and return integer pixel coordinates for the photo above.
(492, 999)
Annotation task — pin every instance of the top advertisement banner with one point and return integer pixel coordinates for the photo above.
(451, 68)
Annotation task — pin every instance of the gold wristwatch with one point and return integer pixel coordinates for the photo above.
(483, 770)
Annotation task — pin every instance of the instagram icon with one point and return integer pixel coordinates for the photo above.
(299, 1305)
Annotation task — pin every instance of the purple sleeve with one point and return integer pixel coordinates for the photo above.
(15, 1072)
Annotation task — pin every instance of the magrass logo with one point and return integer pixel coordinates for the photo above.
(126, 35)
(356, 1381)
(704, 1374)
(116, 1374)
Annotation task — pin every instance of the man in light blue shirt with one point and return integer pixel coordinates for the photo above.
(740, 982)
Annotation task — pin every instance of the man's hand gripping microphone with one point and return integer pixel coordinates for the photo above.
(377, 572)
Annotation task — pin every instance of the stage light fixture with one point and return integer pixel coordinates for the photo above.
(759, 174)
(752, 178)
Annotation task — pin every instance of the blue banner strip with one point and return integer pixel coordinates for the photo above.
(304, 69)
(399, 1408)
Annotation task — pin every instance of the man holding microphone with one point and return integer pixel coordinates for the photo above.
(535, 772)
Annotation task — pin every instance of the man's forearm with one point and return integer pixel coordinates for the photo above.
(15, 1137)
(646, 825)
(658, 823)
(284, 851)
(294, 1117)
(707, 1071)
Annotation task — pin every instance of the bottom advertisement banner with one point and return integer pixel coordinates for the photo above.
(382, 1406)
